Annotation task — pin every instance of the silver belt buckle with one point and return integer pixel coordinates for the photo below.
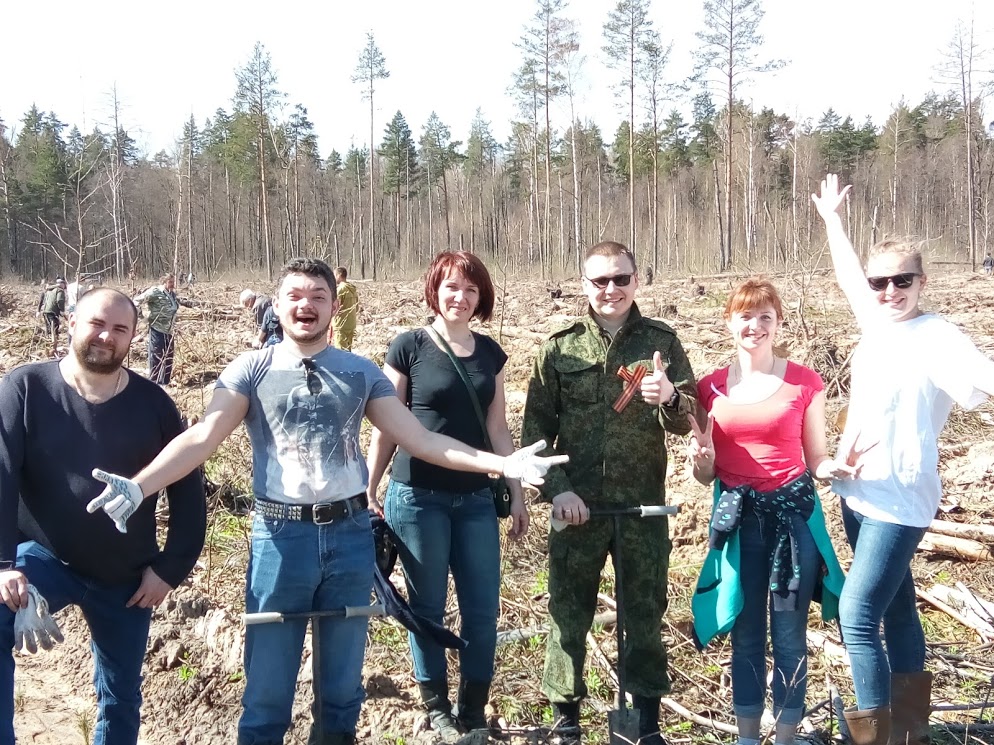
(326, 509)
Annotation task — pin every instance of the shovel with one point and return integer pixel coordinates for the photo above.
(622, 722)
(250, 619)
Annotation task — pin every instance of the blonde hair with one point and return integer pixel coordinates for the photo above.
(901, 246)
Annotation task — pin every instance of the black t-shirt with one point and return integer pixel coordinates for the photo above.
(438, 398)
(51, 438)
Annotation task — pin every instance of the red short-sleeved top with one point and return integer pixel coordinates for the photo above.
(760, 444)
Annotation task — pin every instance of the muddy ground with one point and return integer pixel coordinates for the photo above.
(193, 679)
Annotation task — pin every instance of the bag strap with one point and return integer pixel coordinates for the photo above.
(444, 346)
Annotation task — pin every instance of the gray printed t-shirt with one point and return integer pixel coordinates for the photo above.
(305, 446)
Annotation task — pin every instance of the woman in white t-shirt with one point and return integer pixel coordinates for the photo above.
(908, 370)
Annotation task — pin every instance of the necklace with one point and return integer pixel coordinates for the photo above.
(95, 398)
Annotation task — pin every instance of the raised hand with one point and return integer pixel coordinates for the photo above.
(830, 198)
(524, 465)
(656, 387)
(119, 500)
(701, 447)
(34, 627)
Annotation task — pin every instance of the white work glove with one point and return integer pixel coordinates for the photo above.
(34, 627)
(119, 500)
(524, 465)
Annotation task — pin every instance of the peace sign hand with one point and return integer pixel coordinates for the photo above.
(701, 447)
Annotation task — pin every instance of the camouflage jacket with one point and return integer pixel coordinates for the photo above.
(162, 307)
(614, 458)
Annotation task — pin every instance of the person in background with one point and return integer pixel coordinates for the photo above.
(344, 323)
(616, 442)
(445, 520)
(52, 306)
(908, 370)
(770, 551)
(57, 421)
(312, 545)
(163, 305)
(259, 304)
(988, 265)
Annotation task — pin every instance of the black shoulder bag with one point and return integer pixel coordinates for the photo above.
(502, 495)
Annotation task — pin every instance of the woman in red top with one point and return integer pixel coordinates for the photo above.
(764, 439)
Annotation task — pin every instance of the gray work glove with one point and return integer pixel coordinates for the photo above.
(523, 464)
(34, 627)
(119, 500)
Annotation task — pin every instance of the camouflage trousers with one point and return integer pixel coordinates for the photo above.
(577, 555)
(342, 337)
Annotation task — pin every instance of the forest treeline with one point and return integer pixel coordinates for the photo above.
(726, 187)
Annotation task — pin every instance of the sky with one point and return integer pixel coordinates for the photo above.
(171, 60)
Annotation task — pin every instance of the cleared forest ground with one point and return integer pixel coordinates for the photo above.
(193, 680)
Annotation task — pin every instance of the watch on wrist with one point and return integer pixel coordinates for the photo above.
(673, 400)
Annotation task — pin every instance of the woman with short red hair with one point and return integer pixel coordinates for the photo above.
(770, 553)
(445, 520)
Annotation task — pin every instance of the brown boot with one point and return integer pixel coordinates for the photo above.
(869, 726)
(910, 706)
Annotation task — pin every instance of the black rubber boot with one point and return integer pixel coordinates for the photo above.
(473, 698)
(332, 738)
(436, 700)
(566, 722)
(648, 709)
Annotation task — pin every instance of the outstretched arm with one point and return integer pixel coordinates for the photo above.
(848, 271)
(381, 447)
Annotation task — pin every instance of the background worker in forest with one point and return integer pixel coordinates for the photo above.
(312, 546)
(58, 420)
(344, 322)
(52, 306)
(616, 458)
(163, 305)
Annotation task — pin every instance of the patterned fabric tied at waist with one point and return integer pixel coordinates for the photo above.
(791, 505)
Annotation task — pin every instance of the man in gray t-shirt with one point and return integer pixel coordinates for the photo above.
(312, 547)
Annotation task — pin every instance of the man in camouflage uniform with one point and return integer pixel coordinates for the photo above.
(343, 323)
(616, 459)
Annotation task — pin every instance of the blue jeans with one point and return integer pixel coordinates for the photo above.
(441, 531)
(298, 567)
(160, 356)
(787, 628)
(879, 587)
(118, 634)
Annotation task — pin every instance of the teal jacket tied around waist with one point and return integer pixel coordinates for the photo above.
(718, 600)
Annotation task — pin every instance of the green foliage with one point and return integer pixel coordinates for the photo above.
(400, 158)
(438, 152)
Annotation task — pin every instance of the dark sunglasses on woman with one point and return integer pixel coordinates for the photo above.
(620, 280)
(901, 281)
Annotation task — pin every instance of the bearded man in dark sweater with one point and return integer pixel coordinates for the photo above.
(59, 421)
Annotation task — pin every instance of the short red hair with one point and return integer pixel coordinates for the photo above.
(752, 294)
(471, 269)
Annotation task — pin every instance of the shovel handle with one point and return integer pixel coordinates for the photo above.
(652, 510)
(351, 611)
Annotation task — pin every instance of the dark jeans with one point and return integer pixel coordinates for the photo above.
(119, 636)
(879, 587)
(160, 357)
(787, 629)
(438, 532)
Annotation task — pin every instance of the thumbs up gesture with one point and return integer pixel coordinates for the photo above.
(656, 387)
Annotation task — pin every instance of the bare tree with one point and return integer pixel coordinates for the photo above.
(730, 41)
(372, 66)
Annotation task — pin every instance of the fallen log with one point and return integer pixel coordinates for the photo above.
(982, 533)
(518, 333)
(983, 631)
(959, 548)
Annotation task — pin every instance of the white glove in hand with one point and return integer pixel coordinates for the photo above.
(119, 500)
(525, 465)
(34, 627)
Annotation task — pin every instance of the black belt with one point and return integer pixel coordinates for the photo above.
(319, 514)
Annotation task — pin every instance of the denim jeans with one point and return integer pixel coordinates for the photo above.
(879, 587)
(437, 532)
(788, 629)
(298, 567)
(160, 357)
(118, 634)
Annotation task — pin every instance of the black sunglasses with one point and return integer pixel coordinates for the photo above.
(314, 384)
(901, 281)
(620, 280)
